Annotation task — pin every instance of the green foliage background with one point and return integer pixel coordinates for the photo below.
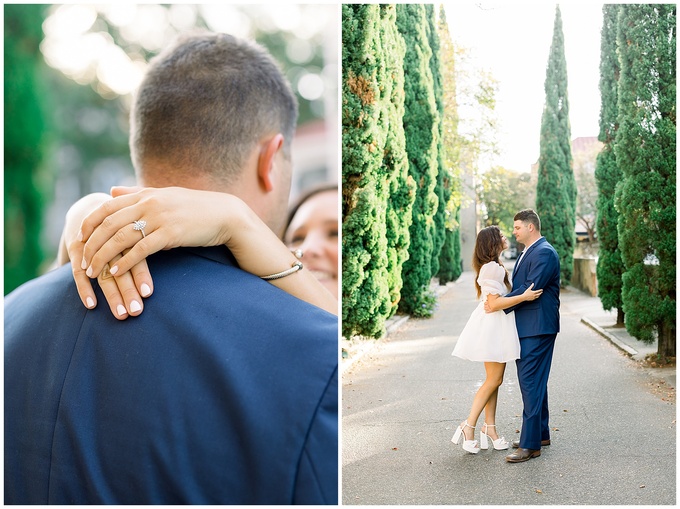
(402, 186)
(26, 110)
(450, 264)
(556, 188)
(365, 291)
(64, 139)
(421, 126)
(646, 153)
(607, 173)
(398, 178)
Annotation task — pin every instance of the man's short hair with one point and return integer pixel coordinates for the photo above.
(204, 104)
(529, 216)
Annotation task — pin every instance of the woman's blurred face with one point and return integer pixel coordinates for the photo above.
(314, 230)
(505, 242)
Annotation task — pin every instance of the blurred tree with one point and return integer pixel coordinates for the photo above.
(503, 192)
(556, 189)
(584, 177)
(421, 126)
(26, 103)
(607, 173)
(88, 125)
(645, 150)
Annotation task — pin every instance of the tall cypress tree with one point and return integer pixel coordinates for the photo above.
(25, 143)
(607, 172)
(441, 191)
(421, 129)
(556, 187)
(365, 292)
(395, 160)
(450, 267)
(646, 153)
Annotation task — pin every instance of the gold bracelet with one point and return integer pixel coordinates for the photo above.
(294, 268)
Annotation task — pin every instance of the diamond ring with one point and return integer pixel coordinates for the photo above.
(139, 226)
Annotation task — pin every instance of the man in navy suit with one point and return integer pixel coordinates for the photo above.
(224, 391)
(538, 323)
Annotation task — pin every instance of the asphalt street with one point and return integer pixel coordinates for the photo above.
(613, 436)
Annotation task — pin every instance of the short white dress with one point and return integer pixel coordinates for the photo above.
(489, 337)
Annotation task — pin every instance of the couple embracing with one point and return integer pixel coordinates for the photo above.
(513, 322)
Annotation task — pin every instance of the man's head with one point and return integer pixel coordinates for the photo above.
(527, 227)
(215, 112)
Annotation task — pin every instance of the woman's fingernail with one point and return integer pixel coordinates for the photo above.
(90, 302)
(89, 272)
(80, 236)
(121, 310)
(83, 264)
(113, 269)
(146, 290)
(134, 306)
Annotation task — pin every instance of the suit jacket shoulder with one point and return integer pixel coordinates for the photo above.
(224, 390)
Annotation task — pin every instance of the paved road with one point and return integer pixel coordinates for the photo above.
(613, 439)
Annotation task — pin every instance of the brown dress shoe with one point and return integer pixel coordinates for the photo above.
(522, 455)
(515, 443)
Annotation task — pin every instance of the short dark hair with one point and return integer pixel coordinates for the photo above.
(529, 216)
(205, 102)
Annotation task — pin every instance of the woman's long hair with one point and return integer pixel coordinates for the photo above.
(488, 247)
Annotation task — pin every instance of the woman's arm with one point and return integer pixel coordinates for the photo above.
(497, 303)
(186, 217)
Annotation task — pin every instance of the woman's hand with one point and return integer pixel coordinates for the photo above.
(177, 217)
(530, 294)
(496, 303)
(174, 217)
(124, 293)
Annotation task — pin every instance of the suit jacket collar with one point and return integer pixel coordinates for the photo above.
(219, 254)
(526, 252)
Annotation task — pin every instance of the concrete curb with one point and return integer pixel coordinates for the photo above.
(630, 351)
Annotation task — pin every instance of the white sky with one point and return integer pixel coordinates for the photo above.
(512, 41)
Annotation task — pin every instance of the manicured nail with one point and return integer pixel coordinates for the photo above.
(80, 237)
(121, 310)
(146, 291)
(134, 306)
(90, 302)
(113, 269)
(83, 264)
(89, 272)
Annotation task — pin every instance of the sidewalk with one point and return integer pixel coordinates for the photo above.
(593, 315)
(613, 432)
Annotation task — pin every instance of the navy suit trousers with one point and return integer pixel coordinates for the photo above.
(533, 369)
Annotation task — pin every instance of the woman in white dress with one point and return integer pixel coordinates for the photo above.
(490, 338)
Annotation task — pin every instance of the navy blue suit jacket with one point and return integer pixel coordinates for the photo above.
(223, 391)
(541, 266)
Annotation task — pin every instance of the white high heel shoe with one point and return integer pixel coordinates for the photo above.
(500, 444)
(468, 445)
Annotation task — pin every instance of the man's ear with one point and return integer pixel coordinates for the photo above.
(265, 163)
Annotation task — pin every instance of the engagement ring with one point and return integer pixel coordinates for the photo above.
(139, 226)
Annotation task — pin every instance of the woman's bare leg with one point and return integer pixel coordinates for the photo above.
(487, 394)
(490, 407)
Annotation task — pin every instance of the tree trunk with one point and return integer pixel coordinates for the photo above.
(620, 317)
(666, 341)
